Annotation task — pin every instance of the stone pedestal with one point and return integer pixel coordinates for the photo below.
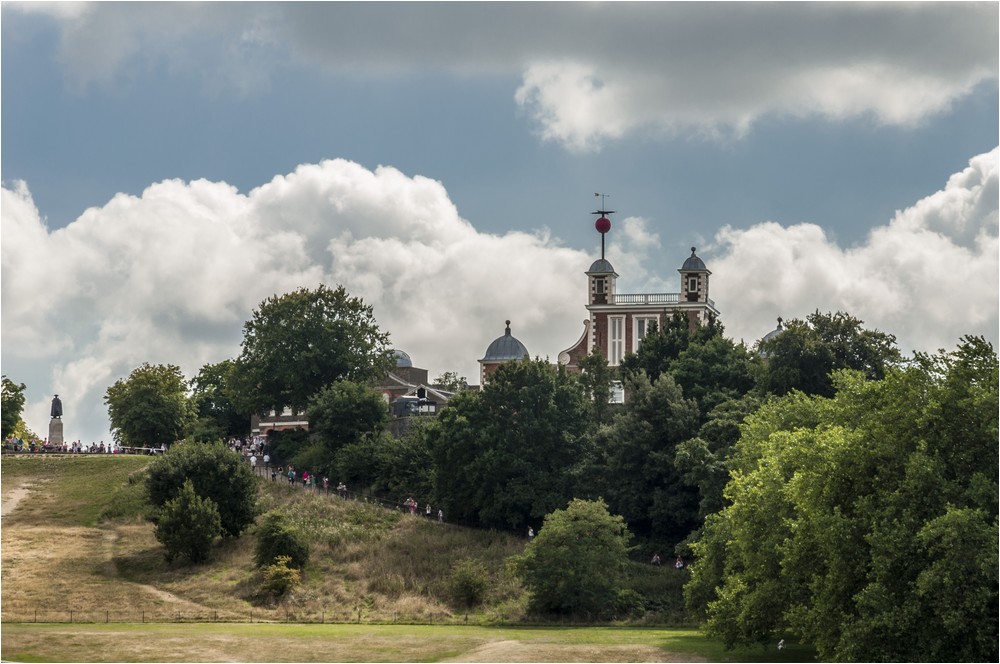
(55, 431)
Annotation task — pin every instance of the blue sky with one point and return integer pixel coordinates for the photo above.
(801, 148)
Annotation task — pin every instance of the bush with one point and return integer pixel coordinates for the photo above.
(277, 539)
(279, 578)
(188, 525)
(576, 564)
(216, 472)
(468, 583)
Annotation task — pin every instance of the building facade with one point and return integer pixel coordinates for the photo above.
(617, 322)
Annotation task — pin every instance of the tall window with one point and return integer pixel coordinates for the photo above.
(616, 340)
(598, 285)
(692, 284)
(642, 326)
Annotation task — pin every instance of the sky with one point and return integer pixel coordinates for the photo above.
(167, 166)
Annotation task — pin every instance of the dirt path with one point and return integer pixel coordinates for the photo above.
(11, 497)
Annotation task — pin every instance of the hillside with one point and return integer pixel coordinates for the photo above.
(75, 540)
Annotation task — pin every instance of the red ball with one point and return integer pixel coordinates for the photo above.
(603, 224)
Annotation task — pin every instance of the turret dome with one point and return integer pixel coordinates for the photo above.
(402, 359)
(505, 348)
(694, 264)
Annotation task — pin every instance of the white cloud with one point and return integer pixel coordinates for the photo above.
(591, 72)
(171, 275)
(929, 276)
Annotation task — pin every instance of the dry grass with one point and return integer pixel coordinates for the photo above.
(366, 561)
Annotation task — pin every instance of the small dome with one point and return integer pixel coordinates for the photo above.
(693, 263)
(775, 332)
(402, 359)
(505, 348)
(601, 266)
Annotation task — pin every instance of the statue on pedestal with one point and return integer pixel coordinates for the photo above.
(56, 407)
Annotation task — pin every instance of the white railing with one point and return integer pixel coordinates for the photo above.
(646, 298)
(650, 298)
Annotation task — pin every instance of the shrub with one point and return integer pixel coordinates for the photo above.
(279, 578)
(577, 562)
(277, 539)
(216, 472)
(468, 582)
(188, 525)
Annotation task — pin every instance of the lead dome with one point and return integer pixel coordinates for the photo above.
(505, 348)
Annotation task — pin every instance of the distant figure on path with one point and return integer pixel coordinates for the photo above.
(655, 560)
(531, 533)
(56, 410)
(679, 564)
(440, 516)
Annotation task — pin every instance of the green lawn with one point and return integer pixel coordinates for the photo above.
(366, 643)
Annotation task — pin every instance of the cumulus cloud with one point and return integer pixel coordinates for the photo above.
(929, 276)
(591, 72)
(171, 275)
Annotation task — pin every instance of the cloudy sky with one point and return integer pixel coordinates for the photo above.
(166, 167)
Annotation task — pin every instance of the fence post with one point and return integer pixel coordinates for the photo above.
(107, 617)
(71, 616)
(36, 615)
(322, 618)
(143, 617)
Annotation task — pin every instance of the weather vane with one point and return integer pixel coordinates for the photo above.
(603, 224)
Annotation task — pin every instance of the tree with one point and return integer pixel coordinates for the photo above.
(345, 412)
(596, 379)
(150, 407)
(11, 405)
(450, 381)
(213, 404)
(637, 453)
(298, 343)
(216, 472)
(865, 523)
(508, 455)
(576, 564)
(807, 352)
(188, 525)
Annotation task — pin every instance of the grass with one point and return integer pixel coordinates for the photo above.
(78, 549)
(368, 643)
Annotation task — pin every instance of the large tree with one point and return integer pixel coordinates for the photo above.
(636, 454)
(214, 404)
(216, 473)
(507, 456)
(298, 343)
(11, 405)
(150, 407)
(865, 523)
(576, 564)
(807, 352)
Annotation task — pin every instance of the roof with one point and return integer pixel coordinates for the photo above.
(601, 265)
(505, 348)
(693, 263)
(771, 335)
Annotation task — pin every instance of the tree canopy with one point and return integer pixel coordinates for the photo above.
(576, 563)
(216, 473)
(11, 405)
(865, 523)
(807, 352)
(150, 407)
(213, 403)
(507, 455)
(298, 343)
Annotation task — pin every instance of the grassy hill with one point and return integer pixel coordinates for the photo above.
(77, 541)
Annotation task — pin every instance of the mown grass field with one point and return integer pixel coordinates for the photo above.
(76, 548)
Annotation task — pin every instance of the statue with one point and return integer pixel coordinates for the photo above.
(56, 407)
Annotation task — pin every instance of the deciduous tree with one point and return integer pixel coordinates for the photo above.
(150, 407)
(866, 523)
(188, 525)
(298, 343)
(216, 472)
(11, 405)
(576, 564)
